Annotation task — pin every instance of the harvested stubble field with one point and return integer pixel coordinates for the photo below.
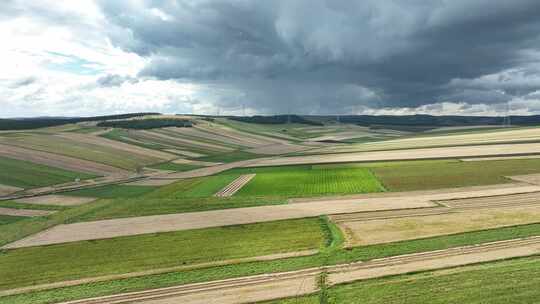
(406, 154)
(474, 138)
(301, 181)
(48, 264)
(25, 174)
(407, 228)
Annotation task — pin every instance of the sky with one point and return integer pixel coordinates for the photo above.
(236, 57)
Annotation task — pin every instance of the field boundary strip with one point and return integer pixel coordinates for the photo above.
(24, 212)
(344, 273)
(270, 257)
(235, 185)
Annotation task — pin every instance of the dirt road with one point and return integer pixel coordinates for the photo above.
(279, 285)
(24, 212)
(216, 218)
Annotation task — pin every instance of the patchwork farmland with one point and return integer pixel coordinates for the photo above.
(195, 209)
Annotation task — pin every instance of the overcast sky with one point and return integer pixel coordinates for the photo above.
(86, 57)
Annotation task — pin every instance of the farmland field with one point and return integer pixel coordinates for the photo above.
(512, 281)
(29, 175)
(195, 187)
(82, 259)
(485, 136)
(113, 191)
(175, 167)
(334, 256)
(143, 206)
(397, 229)
(97, 153)
(308, 181)
(8, 219)
(435, 174)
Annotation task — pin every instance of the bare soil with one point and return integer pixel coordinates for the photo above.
(153, 182)
(215, 218)
(500, 158)
(24, 212)
(56, 200)
(533, 179)
(185, 153)
(6, 190)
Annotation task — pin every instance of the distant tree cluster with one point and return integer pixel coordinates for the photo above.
(151, 123)
(276, 119)
(438, 121)
(43, 122)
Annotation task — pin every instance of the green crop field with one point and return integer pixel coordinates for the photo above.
(188, 195)
(329, 256)
(513, 281)
(113, 191)
(436, 174)
(129, 207)
(298, 181)
(175, 167)
(194, 187)
(229, 157)
(36, 265)
(25, 174)
(8, 219)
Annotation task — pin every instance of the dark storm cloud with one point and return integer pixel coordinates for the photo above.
(329, 56)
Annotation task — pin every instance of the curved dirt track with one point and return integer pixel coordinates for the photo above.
(295, 283)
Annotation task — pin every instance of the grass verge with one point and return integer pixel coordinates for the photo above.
(289, 264)
(510, 281)
(46, 264)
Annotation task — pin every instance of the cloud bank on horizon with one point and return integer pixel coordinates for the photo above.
(85, 57)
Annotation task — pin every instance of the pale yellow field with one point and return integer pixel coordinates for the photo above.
(407, 228)
(519, 135)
